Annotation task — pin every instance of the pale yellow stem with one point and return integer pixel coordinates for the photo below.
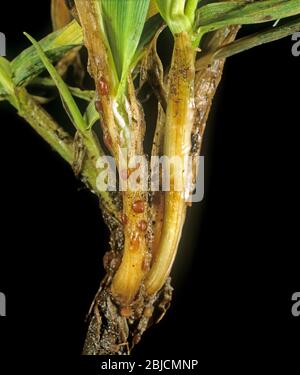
(177, 143)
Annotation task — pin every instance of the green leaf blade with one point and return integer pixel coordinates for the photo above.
(173, 12)
(91, 115)
(6, 85)
(124, 22)
(240, 45)
(67, 98)
(216, 15)
(27, 65)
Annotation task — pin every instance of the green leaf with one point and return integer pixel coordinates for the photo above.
(248, 42)
(7, 89)
(91, 115)
(178, 14)
(173, 13)
(190, 9)
(6, 84)
(124, 23)
(67, 98)
(221, 14)
(87, 95)
(28, 64)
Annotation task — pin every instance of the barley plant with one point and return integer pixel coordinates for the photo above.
(120, 37)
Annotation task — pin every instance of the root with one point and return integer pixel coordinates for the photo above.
(113, 330)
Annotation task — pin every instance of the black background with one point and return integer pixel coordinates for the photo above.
(238, 263)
